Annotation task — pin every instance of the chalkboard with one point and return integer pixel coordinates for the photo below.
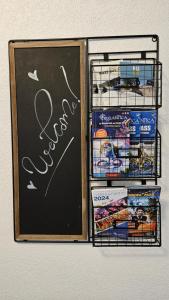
(49, 139)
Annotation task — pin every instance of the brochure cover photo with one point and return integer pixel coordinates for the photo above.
(145, 164)
(107, 161)
(143, 204)
(110, 211)
(111, 123)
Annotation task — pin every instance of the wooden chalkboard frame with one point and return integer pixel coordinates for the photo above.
(59, 43)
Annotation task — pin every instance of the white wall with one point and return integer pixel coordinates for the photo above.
(54, 271)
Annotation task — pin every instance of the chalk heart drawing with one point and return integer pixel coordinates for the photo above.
(31, 186)
(33, 75)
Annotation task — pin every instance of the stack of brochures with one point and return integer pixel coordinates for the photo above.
(126, 213)
(123, 143)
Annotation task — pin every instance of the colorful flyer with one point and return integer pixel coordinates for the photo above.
(107, 161)
(111, 123)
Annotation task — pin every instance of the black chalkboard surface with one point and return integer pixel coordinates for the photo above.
(49, 136)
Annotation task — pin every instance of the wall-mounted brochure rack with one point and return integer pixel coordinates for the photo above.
(125, 93)
(116, 89)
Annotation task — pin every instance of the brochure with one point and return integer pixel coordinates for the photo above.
(107, 161)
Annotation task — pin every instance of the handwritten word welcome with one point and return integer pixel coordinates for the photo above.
(59, 129)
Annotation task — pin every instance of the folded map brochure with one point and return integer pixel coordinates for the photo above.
(121, 216)
(106, 157)
(123, 123)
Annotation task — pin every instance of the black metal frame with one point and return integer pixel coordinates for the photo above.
(158, 103)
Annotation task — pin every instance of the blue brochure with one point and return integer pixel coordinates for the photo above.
(142, 72)
(148, 124)
(135, 121)
(110, 123)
